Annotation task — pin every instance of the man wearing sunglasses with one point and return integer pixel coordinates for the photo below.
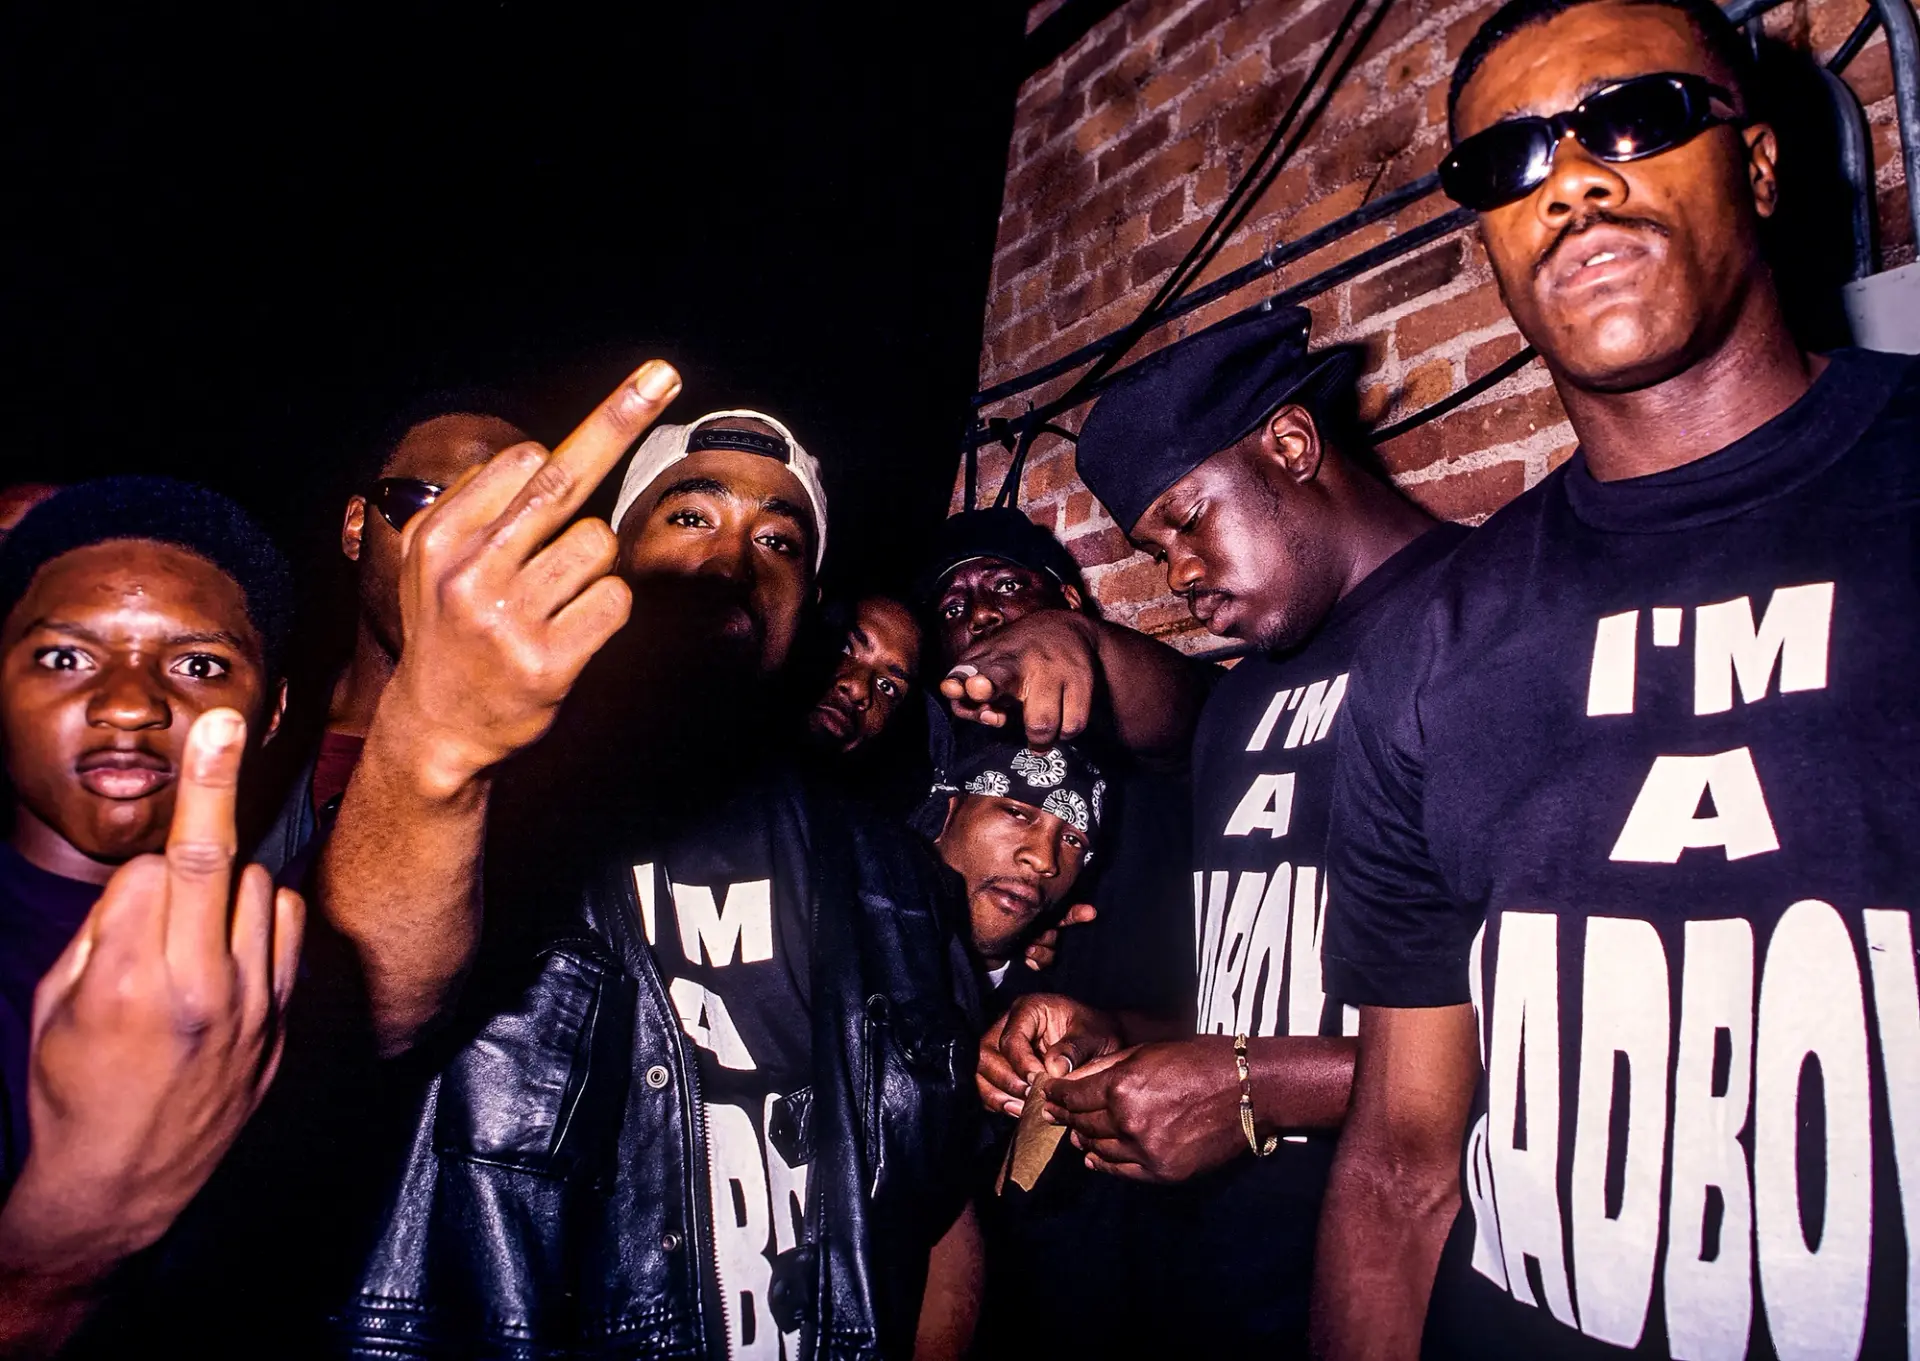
(1623, 864)
(430, 454)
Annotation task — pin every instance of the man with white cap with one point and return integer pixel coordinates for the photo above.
(706, 1093)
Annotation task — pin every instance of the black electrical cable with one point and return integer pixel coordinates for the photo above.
(1244, 195)
(1494, 376)
(1232, 212)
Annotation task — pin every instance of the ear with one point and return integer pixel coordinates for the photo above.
(353, 528)
(953, 806)
(1763, 173)
(1291, 440)
(1071, 594)
(275, 714)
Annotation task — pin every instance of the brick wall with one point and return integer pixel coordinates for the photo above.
(1124, 147)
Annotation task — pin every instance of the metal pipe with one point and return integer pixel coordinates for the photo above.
(1903, 47)
(1856, 168)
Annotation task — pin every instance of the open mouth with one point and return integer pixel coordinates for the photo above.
(1605, 253)
(124, 775)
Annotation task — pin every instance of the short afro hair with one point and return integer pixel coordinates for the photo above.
(187, 516)
(1723, 39)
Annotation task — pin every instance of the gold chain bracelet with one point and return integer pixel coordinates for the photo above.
(1246, 1101)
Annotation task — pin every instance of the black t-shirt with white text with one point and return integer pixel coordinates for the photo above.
(1636, 779)
(1263, 781)
(731, 937)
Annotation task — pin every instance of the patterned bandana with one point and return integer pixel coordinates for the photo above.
(1058, 780)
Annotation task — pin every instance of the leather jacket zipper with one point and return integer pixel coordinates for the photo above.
(700, 1232)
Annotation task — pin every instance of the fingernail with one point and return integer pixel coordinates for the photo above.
(1014, 1108)
(962, 671)
(222, 727)
(657, 379)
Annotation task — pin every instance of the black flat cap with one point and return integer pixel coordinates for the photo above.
(997, 532)
(1180, 406)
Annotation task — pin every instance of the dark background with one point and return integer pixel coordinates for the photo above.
(233, 242)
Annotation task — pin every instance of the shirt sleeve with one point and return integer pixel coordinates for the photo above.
(1396, 936)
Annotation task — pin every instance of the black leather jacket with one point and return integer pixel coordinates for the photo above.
(555, 1200)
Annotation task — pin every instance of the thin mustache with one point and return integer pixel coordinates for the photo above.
(1592, 220)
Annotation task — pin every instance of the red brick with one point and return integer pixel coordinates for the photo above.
(1164, 617)
(1100, 547)
(1351, 101)
(1144, 16)
(1896, 226)
(1290, 191)
(1067, 112)
(1102, 210)
(1078, 509)
(1250, 123)
(1364, 149)
(1042, 513)
(1409, 67)
(1401, 19)
(1030, 293)
(1052, 472)
(1029, 331)
(1254, 25)
(1066, 268)
(1169, 83)
(1460, 32)
(1560, 455)
(1490, 354)
(1167, 213)
(1096, 56)
(1173, 163)
(1102, 127)
(1139, 579)
(1293, 42)
(1407, 279)
(1033, 251)
(1155, 259)
(1426, 384)
(1472, 496)
(1134, 147)
(1476, 428)
(1210, 186)
(1413, 161)
(1871, 74)
(1201, 20)
(1222, 91)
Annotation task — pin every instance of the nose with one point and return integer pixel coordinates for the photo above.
(852, 682)
(984, 617)
(1578, 182)
(730, 557)
(1039, 854)
(129, 698)
(1184, 570)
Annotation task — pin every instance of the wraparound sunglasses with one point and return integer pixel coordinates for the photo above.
(1626, 121)
(399, 499)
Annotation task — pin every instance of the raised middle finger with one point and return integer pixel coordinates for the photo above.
(201, 843)
(583, 458)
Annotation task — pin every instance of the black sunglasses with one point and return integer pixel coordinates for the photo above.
(399, 499)
(1626, 121)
